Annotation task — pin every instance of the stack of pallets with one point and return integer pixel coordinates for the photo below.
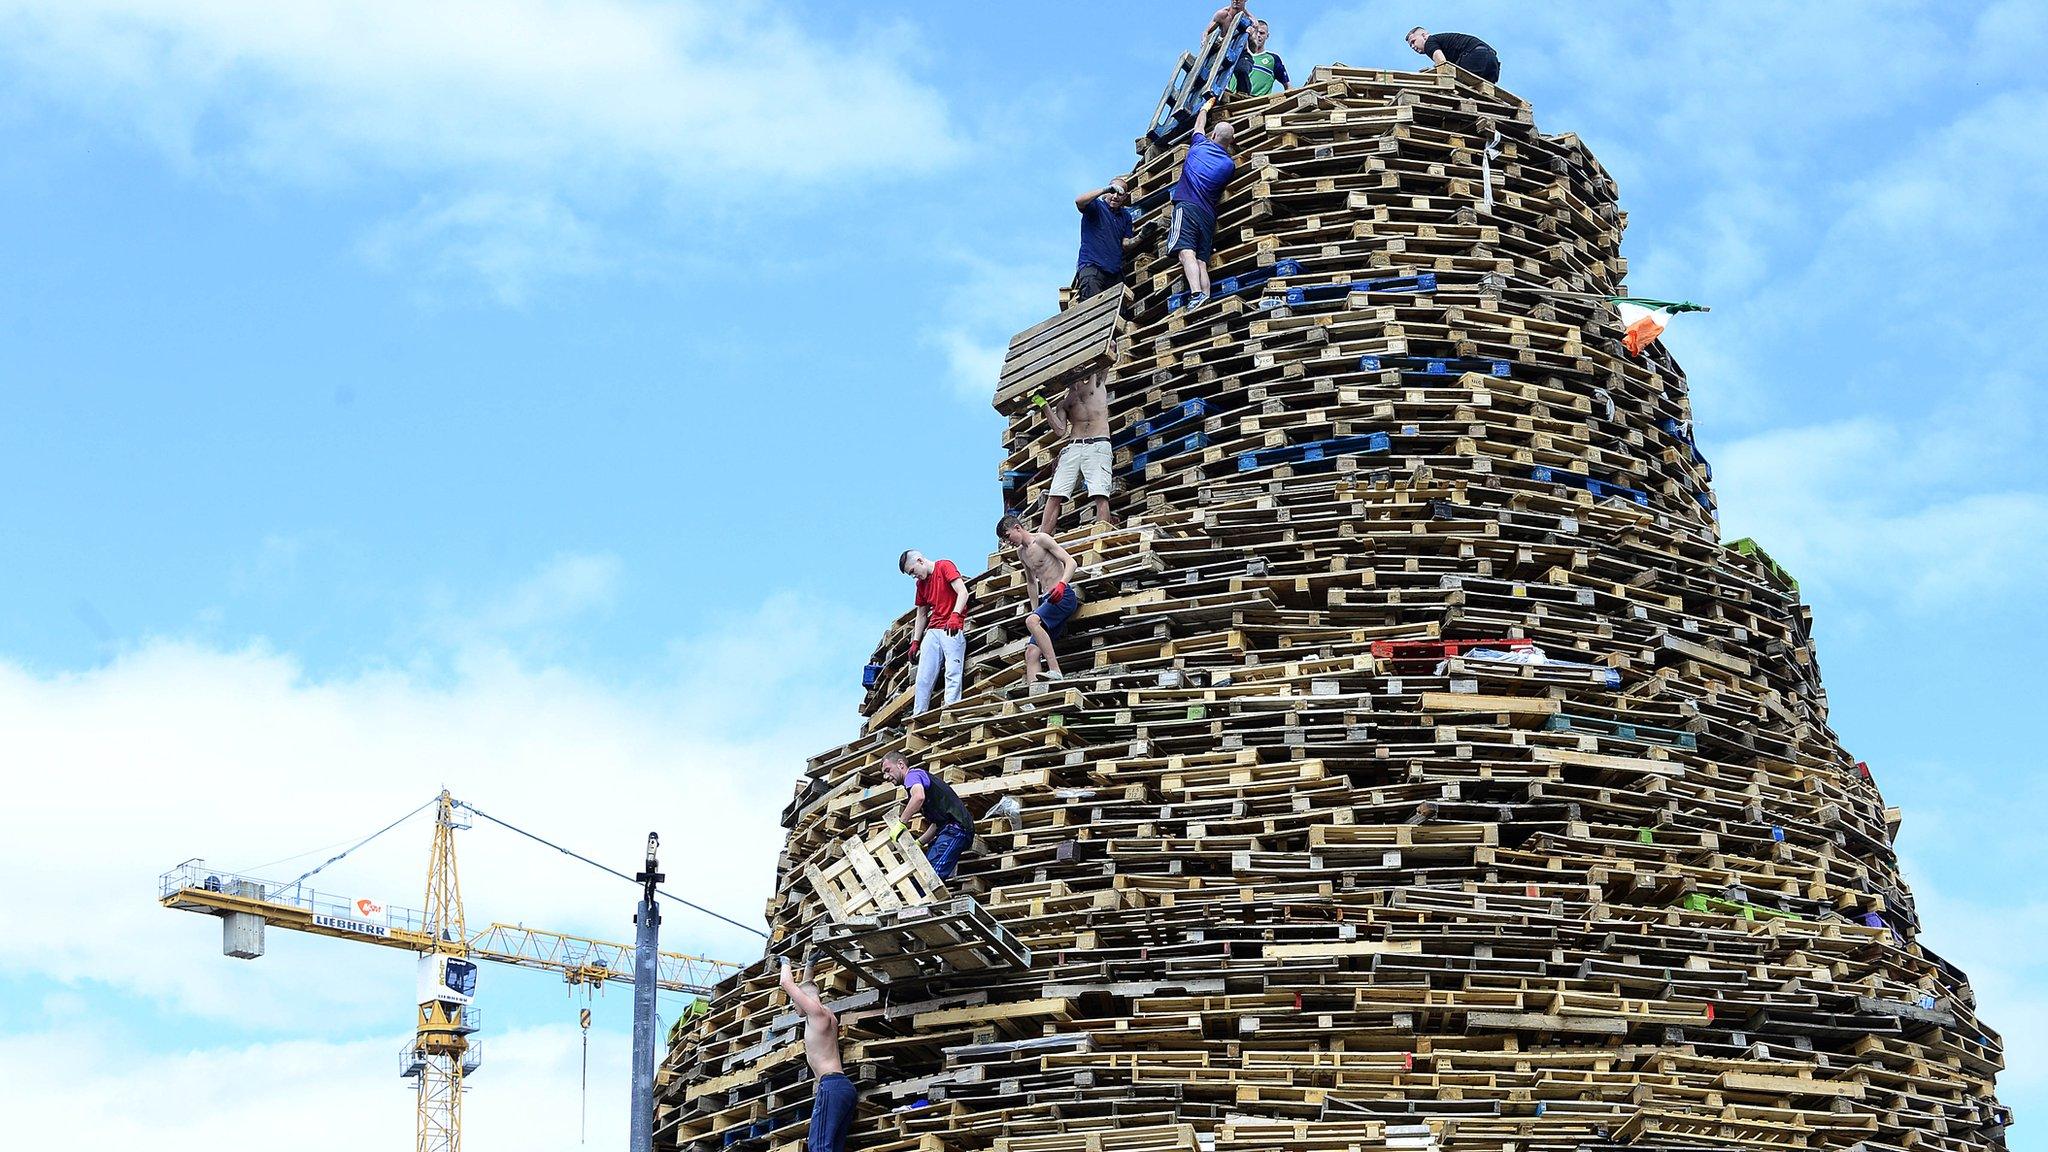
(1427, 773)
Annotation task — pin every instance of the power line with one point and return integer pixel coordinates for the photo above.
(468, 807)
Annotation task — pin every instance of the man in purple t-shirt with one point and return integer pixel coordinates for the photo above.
(1191, 235)
(948, 829)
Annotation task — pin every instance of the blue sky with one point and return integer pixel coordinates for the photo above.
(533, 397)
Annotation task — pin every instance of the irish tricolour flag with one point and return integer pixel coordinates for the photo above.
(1643, 320)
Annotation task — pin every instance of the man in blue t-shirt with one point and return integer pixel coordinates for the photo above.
(1105, 228)
(1191, 236)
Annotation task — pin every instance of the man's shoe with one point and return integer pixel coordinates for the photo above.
(1198, 299)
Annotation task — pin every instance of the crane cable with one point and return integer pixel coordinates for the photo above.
(307, 875)
(468, 807)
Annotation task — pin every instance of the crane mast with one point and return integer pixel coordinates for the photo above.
(447, 982)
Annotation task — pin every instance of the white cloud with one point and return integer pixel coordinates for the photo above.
(506, 243)
(1862, 505)
(90, 1083)
(526, 120)
(994, 300)
(177, 749)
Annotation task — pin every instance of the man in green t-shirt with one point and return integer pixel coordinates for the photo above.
(1258, 71)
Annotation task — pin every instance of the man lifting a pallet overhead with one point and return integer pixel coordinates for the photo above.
(1082, 418)
(948, 829)
(1105, 229)
(1468, 52)
(938, 637)
(1258, 71)
(834, 1097)
(1191, 236)
(1048, 577)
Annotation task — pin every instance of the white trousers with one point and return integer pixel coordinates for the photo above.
(940, 650)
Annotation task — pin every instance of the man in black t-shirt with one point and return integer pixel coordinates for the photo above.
(1468, 52)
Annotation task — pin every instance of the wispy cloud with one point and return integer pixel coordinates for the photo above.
(522, 121)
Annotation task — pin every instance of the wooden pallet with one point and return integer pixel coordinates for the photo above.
(921, 942)
(1463, 791)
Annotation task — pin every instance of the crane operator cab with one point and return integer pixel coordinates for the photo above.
(446, 979)
(446, 986)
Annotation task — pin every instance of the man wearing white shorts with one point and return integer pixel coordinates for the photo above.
(1082, 417)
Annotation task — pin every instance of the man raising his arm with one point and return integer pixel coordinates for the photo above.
(1105, 228)
(1191, 235)
(1082, 417)
(834, 1098)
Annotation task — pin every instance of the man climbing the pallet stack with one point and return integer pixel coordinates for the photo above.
(938, 637)
(948, 829)
(1191, 236)
(1258, 71)
(834, 1098)
(1082, 418)
(1468, 52)
(1048, 578)
(1105, 230)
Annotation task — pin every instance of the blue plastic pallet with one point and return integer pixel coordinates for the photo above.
(1240, 284)
(1173, 417)
(1677, 432)
(1338, 290)
(1429, 366)
(1599, 488)
(1314, 450)
(1175, 448)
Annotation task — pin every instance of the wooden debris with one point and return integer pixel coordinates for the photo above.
(1427, 773)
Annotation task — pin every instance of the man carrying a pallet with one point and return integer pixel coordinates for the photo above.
(938, 637)
(1105, 229)
(1191, 234)
(1082, 418)
(1048, 579)
(948, 829)
(834, 1098)
(1468, 52)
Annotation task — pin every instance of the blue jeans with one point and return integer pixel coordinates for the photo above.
(946, 848)
(831, 1113)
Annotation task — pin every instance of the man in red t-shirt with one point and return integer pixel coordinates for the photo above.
(938, 639)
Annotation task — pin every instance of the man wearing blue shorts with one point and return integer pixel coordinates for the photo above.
(834, 1099)
(1049, 575)
(1197, 196)
(948, 828)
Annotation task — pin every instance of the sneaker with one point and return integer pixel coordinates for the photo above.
(1198, 299)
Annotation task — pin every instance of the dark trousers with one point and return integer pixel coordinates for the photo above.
(1091, 281)
(831, 1113)
(1481, 62)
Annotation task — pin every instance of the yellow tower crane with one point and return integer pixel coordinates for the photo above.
(443, 1051)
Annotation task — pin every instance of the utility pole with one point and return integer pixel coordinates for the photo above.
(646, 953)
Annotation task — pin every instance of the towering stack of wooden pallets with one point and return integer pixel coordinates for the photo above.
(1427, 774)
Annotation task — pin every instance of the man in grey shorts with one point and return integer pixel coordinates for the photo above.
(1082, 417)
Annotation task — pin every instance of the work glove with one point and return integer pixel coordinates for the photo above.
(913, 648)
(896, 829)
(1058, 593)
(1037, 401)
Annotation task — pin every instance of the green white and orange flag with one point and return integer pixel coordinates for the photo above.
(1643, 320)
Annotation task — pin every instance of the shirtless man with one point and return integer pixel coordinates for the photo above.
(1050, 571)
(833, 1103)
(1082, 418)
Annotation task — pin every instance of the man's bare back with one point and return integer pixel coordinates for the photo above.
(821, 1024)
(1086, 406)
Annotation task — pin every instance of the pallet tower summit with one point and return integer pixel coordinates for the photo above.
(1427, 773)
